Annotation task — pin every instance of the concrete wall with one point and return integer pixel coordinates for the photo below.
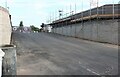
(96, 30)
(9, 61)
(5, 27)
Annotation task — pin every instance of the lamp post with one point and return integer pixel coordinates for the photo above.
(60, 17)
(60, 13)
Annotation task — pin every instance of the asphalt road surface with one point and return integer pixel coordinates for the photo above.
(52, 54)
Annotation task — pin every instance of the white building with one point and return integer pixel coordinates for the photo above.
(48, 28)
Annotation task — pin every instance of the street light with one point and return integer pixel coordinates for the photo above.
(60, 13)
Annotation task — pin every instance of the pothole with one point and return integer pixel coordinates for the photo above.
(42, 55)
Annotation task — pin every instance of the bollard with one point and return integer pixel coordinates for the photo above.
(1, 56)
(9, 60)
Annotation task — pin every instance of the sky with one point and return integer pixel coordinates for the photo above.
(36, 12)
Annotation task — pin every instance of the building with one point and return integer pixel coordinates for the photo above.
(48, 28)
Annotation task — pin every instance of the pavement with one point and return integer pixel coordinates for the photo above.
(52, 54)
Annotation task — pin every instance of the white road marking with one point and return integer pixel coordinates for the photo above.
(92, 71)
(88, 69)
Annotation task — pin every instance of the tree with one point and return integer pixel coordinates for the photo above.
(42, 25)
(33, 28)
(21, 26)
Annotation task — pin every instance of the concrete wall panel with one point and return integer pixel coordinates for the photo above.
(87, 30)
(5, 27)
(96, 30)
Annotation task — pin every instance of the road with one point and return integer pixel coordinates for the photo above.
(52, 54)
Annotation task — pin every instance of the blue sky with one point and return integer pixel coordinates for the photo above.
(35, 12)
